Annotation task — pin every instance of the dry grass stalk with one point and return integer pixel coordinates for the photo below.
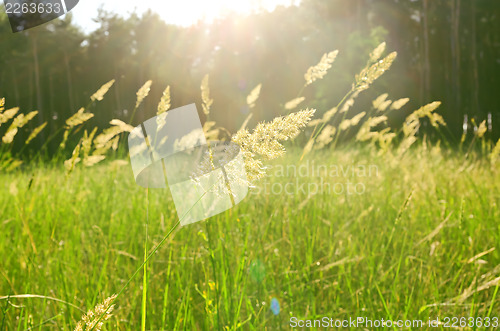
(92, 320)
(365, 132)
(495, 153)
(292, 104)
(74, 160)
(321, 69)
(377, 52)
(345, 124)
(101, 92)
(254, 96)
(264, 141)
(143, 93)
(8, 115)
(205, 95)
(18, 122)
(481, 130)
(370, 74)
(165, 102)
(327, 116)
(398, 104)
(35, 133)
(325, 137)
(78, 118)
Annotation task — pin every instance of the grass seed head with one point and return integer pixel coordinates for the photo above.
(264, 141)
(143, 93)
(205, 95)
(93, 319)
(254, 96)
(292, 104)
(165, 102)
(321, 69)
(101, 92)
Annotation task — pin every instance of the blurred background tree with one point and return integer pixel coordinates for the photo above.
(449, 50)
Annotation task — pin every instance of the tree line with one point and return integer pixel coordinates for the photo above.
(448, 50)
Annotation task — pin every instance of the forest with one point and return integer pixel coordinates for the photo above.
(447, 51)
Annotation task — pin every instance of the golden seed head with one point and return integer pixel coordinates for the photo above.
(292, 104)
(321, 69)
(101, 92)
(264, 141)
(165, 101)
(143, 93)
(254, 96)
(205, 95)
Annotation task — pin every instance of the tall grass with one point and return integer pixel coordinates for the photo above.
(324, 254)
(420, 241)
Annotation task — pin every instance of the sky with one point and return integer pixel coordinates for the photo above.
(180, 12)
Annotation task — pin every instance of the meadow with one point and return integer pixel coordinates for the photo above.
(420, 242)
(390, 224)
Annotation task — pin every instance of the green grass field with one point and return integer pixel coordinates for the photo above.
(420, 241)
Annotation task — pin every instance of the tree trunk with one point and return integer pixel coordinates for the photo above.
(70, 81)
(455, 51)
(16, 87)
(475, 75)
(39, 102)
(427, 65)
(117, 92)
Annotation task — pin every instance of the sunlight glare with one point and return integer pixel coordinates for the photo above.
(188, 12)
(183, 12)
